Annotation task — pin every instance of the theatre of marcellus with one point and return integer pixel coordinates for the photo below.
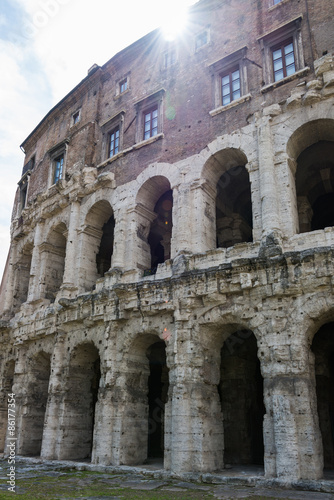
(168, 292)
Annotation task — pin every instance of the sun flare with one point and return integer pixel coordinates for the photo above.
(175, 21)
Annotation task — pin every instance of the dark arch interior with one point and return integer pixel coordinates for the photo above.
(323, 349)
(314, 186)
(234, 208)
(103, 257)
(157, 397)
(241, 394)
(35, 412)
(83, 389)
(160, 234)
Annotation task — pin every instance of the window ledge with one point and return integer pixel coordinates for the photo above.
(221, 109)
(148, 141)
(132, 148)
(287, 79)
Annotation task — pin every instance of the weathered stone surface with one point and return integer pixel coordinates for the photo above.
(173, 298)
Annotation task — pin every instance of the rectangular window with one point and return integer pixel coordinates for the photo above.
(76, 117)
(169, 58)
(150, 123)
(114, 142)
(231, 86)
(201, 40)
(283, 60)
(123, 85)
(58, 169)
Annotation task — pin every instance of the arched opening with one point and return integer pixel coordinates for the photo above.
(54, 255)
(155, 223)
(81, 397)
(6, 390)
(160, 234)
(37, 397)
(241, 394)
(323, 349)
(315, 186)
(22, 276)
(227, 198)
(103, 257)
(145, 396)
(157, 398)
(234, 208)
(98, 241)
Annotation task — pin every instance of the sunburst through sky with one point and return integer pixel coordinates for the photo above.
(46, 48)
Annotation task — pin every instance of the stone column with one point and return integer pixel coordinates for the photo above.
(120, 240)
(10, 285)
(254, 179)
(70, 277)
(36, 275)
(268, 182)
(52, 433)
(292, 440)
(142, 253)
(183, 221)
(20, 389)
(194, 440)
(203, 215)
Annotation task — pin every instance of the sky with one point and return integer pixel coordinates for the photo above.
(46, 49)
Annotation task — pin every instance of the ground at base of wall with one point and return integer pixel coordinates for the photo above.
(36, 479)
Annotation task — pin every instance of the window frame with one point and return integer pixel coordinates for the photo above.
(119, 91)
(59, 151)
(229, 74)
(58, 168)
(153, 114)
(74, 120)
(198, 36)
(268, 42)
(107, 128)
(170, 58)
(224, 67)
(281, 46)
(144, 107)
(123, 85)
(114, 149)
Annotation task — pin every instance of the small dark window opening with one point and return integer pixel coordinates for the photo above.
(58, 169)
(103, 258)
(123, 85)
(283, 60)
(24, 190)
(76, 117)
(201, 40)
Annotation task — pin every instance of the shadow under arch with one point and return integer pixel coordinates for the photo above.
(98, 239)
(7, 384)
(35, 401)
(226, 173)
(154, 207)
(311, 146)
(232, 369)
(53, 255)
(22, 276)
(146, 393)
(323, 350)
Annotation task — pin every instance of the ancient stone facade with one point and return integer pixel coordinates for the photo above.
(169, 290)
